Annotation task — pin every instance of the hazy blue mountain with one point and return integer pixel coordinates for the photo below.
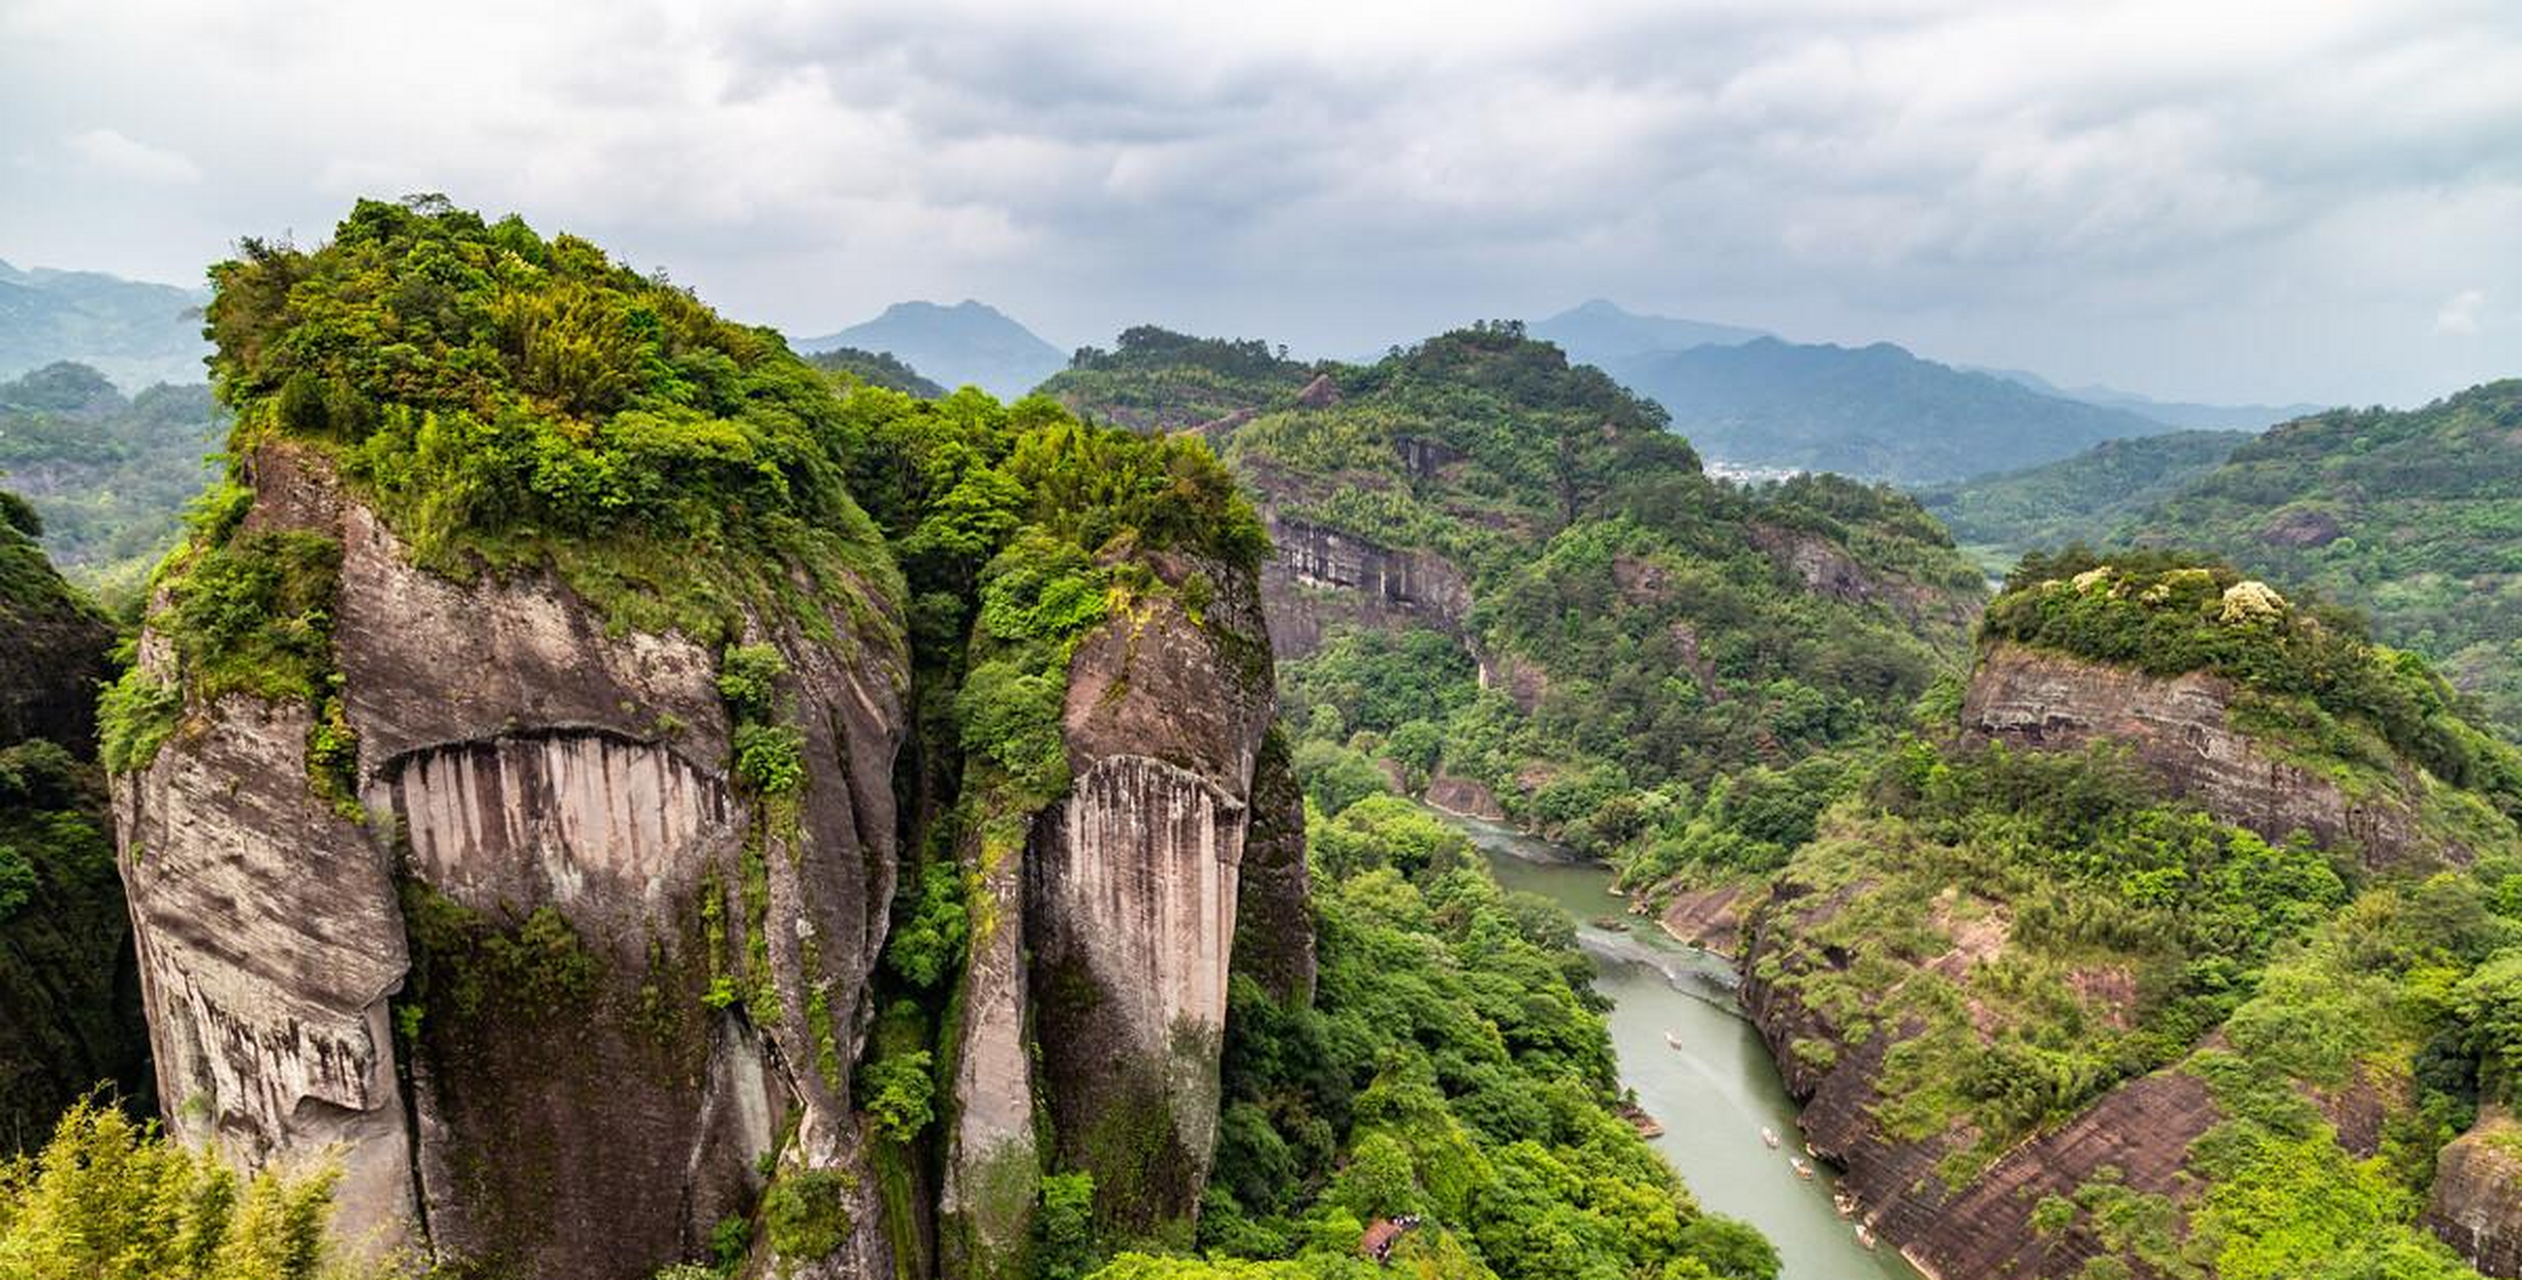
(133, 332)
(2084, 498)
(969, 342)
(2177, 413)
(1877, 411)
(1601, 333)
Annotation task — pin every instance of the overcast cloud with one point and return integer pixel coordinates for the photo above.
(2307, 200)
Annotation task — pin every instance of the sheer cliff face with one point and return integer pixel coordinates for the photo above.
(1112, 930)
(2476, 1202)
(2182, 729)
(486, 989)
(1320, 576)
(1133, 884)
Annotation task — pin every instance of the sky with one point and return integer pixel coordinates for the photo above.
(2313, 200)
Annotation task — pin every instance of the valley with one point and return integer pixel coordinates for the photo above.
(921, 834)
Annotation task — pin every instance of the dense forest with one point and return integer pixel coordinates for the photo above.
(2086, 498)
(108, 474)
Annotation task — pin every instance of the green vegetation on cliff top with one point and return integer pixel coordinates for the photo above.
(2414, 517)
(511, 403)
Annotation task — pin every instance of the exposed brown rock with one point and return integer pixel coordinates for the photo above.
(1464, 797)
(2302, 527)
(1425, 459)
(2476, 1204)
(2143, 1129)
(1321, 393)
(1710, 918)
(2180, 728)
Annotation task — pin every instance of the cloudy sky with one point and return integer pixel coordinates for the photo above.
(2307, 200)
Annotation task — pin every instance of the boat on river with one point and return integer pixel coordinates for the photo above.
(1803, 1167)
(1769, 1136)
(1673, 1040)
(1865, 1235)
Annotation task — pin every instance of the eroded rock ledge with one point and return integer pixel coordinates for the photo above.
(2181, 729)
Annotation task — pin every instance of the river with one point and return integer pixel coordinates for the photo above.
(1715, 1092)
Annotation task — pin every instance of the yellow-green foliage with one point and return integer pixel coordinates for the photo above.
(110, 1199)
(2169, 613)
(512, 402)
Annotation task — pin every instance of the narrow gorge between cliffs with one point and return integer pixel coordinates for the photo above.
(1713, 1086)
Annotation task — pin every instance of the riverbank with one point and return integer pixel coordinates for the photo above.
(1697, 1066)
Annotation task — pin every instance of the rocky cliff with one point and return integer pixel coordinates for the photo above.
(1320, 578)
(2137, 1135)
(512, 790)
(1098, 987)
(488, 978)
(2476, 1205)
(2004, 1040)
(2182, 728)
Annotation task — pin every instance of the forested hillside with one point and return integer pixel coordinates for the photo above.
(109, 473)
(1506, 575)
(2087, 497)
(2414, 517)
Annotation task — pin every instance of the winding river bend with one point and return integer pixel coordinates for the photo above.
(1711, 1084)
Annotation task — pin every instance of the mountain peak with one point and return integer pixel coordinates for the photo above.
(1599, 331)
(958, 344)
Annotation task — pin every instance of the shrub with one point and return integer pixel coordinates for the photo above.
(806, 1213)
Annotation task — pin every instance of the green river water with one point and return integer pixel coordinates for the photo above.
(1711, 1083)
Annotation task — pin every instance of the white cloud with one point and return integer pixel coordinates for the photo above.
(2459, 314)
(111, 152)
(2257, 198)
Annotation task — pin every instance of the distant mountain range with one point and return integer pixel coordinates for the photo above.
(969, 343)
(1602, 334)
(133, 332)
(1751, 401)
(2178, 413)
(1876, 411)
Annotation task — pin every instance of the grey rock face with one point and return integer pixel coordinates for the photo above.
(269, 942)
(550, 824)
(1319, 574)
